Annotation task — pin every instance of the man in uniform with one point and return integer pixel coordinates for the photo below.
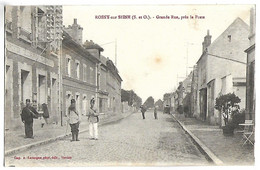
(74, 120)
(28, 113)
(143, 110)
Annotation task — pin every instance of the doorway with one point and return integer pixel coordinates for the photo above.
(203, 104)
(41, 91)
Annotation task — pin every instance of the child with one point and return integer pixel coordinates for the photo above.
(42, 120)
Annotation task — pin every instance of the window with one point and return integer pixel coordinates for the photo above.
(229, 38)
(84, 72)
(91, 75)
(77, 98)
(77, 69)
(98, 80)
(68, 66)
(68, 101)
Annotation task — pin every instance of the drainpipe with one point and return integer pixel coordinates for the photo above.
(96, 93)
(60, 83)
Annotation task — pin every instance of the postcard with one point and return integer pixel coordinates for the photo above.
(129, 85)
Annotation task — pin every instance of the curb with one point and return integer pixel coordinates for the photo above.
(39, 143)
(202, 147)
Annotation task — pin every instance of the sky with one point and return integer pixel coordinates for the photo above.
(153, 55)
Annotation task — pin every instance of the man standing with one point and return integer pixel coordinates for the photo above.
(28, 113)
(155, 112)
(143, 110)
(74, 120)
(93, 120)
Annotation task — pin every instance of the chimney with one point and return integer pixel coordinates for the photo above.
(206, 42)
(75, 21)
(75, 31)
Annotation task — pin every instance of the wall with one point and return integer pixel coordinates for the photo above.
(72, 85)
(232, 49)
(20, 56)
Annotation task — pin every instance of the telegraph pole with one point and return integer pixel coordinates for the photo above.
(115, 42)
(116, 52)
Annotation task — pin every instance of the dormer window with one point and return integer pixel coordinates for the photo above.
(229, 38)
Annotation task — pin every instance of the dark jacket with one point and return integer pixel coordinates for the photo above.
(45, 111)
(143, 109)
(28, 113)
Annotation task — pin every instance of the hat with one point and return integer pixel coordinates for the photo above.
(73, 101)
(27, 100)
(92, 100)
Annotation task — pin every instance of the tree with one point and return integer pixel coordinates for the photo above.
(124, 96)
(149, 103)
(225, 103)
(131, 97)
(159, 103)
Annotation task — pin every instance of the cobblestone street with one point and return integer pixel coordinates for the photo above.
(131, 141)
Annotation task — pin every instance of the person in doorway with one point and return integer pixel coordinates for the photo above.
(27, 116)
(155, 112)
(45, 112)
(93, 120)
(143, 110)
(74, 120)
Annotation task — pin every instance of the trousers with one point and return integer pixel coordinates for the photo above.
(28, 129)
(93, 130)
(143, 115)
(74, 127)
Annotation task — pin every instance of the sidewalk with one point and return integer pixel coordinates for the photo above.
(227, 150)
(15, 141)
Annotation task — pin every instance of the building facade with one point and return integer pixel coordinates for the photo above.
(79, 70)
(113, 88)
(108, 81)
(33, 41)
(194, 91)
(250, 70)
(221, 67)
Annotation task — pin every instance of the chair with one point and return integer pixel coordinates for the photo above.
(248, 132)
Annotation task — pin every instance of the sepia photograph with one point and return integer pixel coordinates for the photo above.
(129, 85)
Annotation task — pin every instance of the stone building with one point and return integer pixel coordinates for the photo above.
(101, 93)
(222, 69)
(32, 53)
(194, 91)
(102, 85)
(113, 88)
(250, 70)
(79, 70)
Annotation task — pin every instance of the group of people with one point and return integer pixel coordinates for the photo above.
(74, 118)
(143, 110)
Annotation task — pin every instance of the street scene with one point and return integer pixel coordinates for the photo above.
(169, 85)
(151, 142)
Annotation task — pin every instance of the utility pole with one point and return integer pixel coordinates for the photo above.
(60, 82)
(187, 57)
(116, 52)
(115, 42)
(187, 60)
